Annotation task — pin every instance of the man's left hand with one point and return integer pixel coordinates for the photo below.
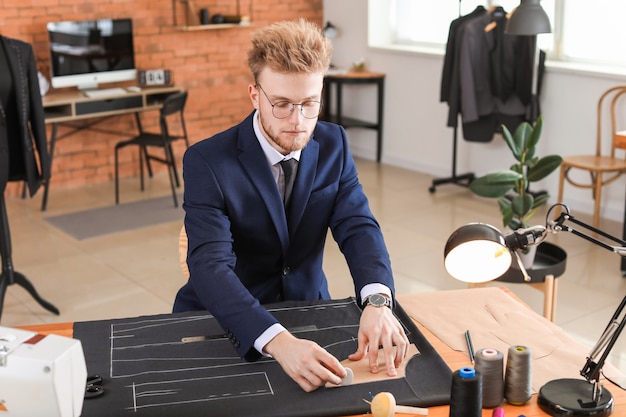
(379, 327)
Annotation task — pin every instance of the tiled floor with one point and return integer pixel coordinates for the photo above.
(137, 272)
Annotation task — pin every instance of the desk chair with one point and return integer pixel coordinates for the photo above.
(173, 106)
(597, 165)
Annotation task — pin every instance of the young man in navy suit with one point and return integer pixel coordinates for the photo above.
(247, 247)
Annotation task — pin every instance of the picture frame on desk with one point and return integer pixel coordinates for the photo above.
(154, 78)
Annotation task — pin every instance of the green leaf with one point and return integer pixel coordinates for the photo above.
(514, 146)
(522, 138)
(495, 184)
(536, 133)
(531, 162)
(519, 168)
(544, 167)
(541, 200)
(505, 209)
(516, 223)
(522, 205)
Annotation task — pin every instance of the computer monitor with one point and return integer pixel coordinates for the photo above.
(87, 53)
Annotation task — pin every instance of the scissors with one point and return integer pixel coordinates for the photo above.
(94, 387)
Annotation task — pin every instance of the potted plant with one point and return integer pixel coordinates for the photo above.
(511, 186)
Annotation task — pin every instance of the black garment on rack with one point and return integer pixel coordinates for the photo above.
(23, 140)
(451, 57)
(450, 88)
(22, 132)
(488, 78)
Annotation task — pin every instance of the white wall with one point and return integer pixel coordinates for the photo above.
(415, 135)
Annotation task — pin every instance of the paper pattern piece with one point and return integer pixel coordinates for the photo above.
(498, 321)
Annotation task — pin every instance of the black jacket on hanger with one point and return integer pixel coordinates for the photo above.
(450, 75)
(22, 129)
(487, 75)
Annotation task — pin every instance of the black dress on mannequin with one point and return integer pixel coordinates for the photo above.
(21, 121)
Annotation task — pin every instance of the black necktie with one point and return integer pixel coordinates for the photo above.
(289, 166)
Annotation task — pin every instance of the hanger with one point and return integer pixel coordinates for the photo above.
(497, 13)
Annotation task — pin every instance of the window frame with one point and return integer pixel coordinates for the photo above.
(382, 34)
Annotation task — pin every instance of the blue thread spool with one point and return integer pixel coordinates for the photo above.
(466, 393)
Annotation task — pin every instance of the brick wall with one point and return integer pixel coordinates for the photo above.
(210, 64)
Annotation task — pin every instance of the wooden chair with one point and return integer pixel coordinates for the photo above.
(173, 106)
(602, 168)
(182, 251)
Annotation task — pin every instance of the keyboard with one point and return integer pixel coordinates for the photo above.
(105, 92)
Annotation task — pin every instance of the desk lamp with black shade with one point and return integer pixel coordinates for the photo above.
(489, 253)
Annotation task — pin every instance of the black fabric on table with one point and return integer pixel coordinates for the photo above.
(148, 371)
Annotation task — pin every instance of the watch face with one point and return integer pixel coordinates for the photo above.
(377, 300)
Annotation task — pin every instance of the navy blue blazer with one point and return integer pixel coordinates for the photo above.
(242, 253)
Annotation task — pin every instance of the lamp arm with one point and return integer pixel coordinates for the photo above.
(592, 368)
(522, 238)
(558, 226)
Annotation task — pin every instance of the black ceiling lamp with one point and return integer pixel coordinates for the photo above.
(330, 31)
(528, 18)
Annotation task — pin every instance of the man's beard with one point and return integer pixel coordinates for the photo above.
(285, 142)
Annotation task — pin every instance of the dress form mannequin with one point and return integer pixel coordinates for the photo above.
(16, 155)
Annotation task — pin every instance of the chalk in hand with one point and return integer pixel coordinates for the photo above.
(384, 405)
(348, 378)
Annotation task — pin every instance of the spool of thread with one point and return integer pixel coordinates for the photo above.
(490, 364)
(466, 393)
(518, 375)
(498, 412)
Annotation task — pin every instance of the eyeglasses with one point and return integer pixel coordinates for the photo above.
(310, 109)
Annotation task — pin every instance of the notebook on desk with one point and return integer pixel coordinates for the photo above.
(148, 369)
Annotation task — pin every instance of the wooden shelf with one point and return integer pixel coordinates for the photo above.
(211, 26)
(191, 18)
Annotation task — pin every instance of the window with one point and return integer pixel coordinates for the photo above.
(592, 32)
(582, 32)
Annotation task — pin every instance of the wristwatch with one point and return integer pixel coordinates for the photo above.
(377, 300)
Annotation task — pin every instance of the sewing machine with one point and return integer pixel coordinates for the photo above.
(40, 375)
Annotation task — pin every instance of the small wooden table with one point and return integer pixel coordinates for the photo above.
(360, 78)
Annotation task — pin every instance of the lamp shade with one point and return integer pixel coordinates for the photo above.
(476, 252)
(330, 31)
(528, 18)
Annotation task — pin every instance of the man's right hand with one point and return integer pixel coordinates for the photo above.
(306, 362)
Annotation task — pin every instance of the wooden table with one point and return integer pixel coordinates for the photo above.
(85, 113)
(358, 78)
(454, 359)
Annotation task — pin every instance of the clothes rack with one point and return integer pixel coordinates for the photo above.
(9, 276)
(487, 80)
(463, 179)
